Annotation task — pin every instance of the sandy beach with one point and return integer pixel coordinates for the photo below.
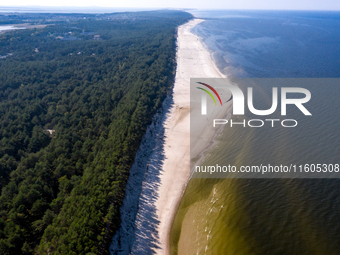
(193, 61)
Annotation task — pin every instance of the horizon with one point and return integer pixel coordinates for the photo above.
(157, 8)
(300, 5)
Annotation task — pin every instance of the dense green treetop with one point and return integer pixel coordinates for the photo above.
(75, 100)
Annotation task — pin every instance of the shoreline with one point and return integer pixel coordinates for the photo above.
(193, 61)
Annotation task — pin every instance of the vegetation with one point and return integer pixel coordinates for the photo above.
(62, 189)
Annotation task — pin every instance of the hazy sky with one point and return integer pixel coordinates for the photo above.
(202, 4)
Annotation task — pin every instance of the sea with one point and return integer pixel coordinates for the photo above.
(270, 215)
(281, 216)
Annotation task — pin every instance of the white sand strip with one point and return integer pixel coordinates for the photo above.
(193, 61)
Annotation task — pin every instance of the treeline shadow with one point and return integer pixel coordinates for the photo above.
(138, 231)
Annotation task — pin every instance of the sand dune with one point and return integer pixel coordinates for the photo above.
(193, 61)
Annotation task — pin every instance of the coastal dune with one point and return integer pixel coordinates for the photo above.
(193, 61)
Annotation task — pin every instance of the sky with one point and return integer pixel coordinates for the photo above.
(200, 4)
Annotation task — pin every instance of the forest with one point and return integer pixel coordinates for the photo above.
(75, 100)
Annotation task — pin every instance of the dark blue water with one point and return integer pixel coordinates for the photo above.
(269, 216)
(273, 44)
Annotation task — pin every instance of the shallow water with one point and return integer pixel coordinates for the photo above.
(258, 216)
(269, 216)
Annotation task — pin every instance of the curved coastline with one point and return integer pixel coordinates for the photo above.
(161, 171)
(193, 61)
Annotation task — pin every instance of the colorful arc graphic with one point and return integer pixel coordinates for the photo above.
(208, 93)
(213, 90)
